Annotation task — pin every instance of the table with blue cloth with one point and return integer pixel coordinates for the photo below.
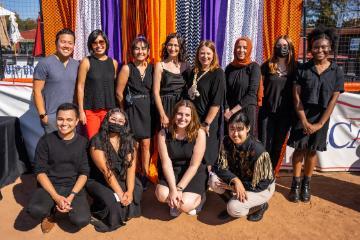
(13, 155)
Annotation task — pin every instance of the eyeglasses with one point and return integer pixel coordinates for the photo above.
(100, 42)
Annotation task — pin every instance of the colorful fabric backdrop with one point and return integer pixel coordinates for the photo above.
(221, 21)
(88, 19)
(57, 15)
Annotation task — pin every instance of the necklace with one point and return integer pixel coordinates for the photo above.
(193, 92)
(281, 70)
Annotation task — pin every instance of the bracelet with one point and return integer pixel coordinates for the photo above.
(180, 189)
(205, 124)
(43, 115)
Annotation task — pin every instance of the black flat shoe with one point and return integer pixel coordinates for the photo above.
(294, 194)
(257, 216)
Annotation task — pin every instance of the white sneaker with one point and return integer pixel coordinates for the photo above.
(192, 212)
(174, 212)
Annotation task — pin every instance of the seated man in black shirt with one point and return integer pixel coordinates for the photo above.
(61, 169)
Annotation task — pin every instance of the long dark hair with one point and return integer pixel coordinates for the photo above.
(182, 49)
(126, 144)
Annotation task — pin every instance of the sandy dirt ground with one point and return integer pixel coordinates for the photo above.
(333, 213)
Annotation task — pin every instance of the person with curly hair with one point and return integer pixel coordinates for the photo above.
(316, 88)
(115, 190)
(182, 175)
(169, 79)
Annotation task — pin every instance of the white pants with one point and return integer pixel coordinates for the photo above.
(237, 209)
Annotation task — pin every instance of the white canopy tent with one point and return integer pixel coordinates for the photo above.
(5, 12)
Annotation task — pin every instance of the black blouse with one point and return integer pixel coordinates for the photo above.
(277, 90)
(318, 89)
(211, 88)
(116, 164)
(99, 92)
(62, 160)
(249, 162)
(242, 84)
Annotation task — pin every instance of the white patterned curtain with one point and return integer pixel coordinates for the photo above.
(88, 18)
(244, 19)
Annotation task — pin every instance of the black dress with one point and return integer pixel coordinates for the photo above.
(242, 84)
(276, 113)
(171, 90)
(180, 153)
(212, 91)
(140, 112)
(316, 92)
(105, 207)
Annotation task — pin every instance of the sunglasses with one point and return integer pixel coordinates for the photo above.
(100, 42)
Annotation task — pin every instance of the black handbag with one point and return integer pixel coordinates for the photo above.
(128, 97)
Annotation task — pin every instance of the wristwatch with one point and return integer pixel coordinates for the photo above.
(205, 124)
(74, 193)
(42, 115)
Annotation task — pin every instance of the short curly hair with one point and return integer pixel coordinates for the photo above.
(322, 32)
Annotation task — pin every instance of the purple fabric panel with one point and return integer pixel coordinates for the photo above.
(111, 25)
(213, 15)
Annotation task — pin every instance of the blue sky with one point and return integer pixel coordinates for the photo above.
(25, 8)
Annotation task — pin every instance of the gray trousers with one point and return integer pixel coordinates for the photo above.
(237, 209)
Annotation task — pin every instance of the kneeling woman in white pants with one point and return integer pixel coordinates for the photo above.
(243, 171)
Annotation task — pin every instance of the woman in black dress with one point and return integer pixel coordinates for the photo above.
(275, 114)
(206, 85)
(316, 89)
(112, 183)
(135, 83)
(182, 176)
(242, 83)
(169, 82)
(95, 84)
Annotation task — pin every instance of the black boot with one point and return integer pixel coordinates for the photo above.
(294, 194)
(257, 213)
(305, 189)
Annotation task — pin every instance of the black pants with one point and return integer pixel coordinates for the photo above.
(41, 205)
(273, 128)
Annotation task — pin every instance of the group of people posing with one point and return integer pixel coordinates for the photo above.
(205, 123)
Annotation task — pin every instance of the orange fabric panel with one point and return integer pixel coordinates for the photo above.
(281, 17)
(134, 22)
(161, 20)
(57, 15)
(352, 87)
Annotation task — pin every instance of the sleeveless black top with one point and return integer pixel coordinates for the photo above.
(99, 92)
